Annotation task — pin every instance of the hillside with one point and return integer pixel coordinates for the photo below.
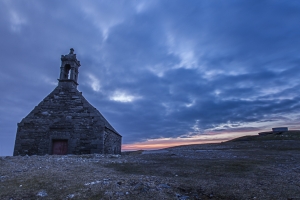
(286, 135)
(239, 169)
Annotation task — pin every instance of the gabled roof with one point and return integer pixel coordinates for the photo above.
(64, 105)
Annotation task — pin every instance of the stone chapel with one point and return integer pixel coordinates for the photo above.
(65, 122)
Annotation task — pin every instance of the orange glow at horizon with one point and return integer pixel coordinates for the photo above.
(161, 143)
(210, 136)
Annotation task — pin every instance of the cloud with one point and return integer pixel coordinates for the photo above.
(123, 97)
(109, 16)
(158, 69)
(94, 83)
(17, 21)
(182, 48)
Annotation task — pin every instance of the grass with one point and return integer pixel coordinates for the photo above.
(188, 168)
(98, 195)
(232, 170)
(29, 185)
(287, 135)
(138, 152)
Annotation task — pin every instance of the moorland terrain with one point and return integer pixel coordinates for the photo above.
(250, 167)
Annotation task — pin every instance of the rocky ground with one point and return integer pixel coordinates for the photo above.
(232, 170)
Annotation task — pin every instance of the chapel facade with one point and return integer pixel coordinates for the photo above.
(65, 122)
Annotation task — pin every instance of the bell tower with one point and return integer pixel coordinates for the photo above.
(69, 69)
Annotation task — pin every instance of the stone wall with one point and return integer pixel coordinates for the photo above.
(112, 142)
(65, 114)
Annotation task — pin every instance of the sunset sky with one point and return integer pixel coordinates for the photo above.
(161, 72)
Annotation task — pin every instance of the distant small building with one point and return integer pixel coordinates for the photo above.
(65, 122)
(274, 130)
(279, 129)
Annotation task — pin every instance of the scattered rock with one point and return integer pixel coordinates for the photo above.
(120, 193)
(141, 187)
(182, 197)
(92, 183)
(119, 183)
(192, 174)
(42, 193)
(70, 196)
(164, 186)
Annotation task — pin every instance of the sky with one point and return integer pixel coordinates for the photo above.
(163, 73)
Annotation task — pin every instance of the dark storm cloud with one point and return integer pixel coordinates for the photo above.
(156, 69)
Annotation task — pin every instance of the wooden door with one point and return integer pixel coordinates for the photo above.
(60, 147)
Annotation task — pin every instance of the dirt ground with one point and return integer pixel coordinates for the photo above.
(232, 170)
